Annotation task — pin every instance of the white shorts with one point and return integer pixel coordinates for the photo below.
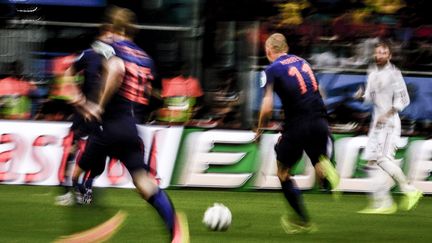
(382, 142)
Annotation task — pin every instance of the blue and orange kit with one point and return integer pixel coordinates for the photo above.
(296, 86)
(136, 85)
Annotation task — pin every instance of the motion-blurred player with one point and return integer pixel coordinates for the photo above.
(387, 91)
(127, 86)
(305, 126)
(91, 63)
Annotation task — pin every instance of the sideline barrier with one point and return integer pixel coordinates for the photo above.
(32, 153)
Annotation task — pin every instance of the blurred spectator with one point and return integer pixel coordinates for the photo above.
(14, 92)
(385, 6)
(179, 96)
(224, 103)
(56, 108)
(290, 12)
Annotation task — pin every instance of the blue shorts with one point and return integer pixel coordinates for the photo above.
(117, 138)
(310, 136)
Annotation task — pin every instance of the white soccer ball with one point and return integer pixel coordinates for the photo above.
(217, 217)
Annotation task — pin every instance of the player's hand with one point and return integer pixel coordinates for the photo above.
(359, 93)
(91, 111)
(382, 120)
(258, 133)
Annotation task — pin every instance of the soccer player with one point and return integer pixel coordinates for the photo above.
(91, 63)
(127, 86)
(305, 125)
(387, 91)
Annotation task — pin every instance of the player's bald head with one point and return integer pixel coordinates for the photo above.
(277, 43)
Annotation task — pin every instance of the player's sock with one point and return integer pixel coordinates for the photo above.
(75, 183)
(88, 183)
(385, 183)
(380, 187)
(396, 173)
(294, 198)
(77, 191)
(164, 207)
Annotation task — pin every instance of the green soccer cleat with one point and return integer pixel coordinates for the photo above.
(330, 174)
(381, 210)
(293, 228)
(411, 200)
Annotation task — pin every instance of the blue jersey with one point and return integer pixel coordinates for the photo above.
(132, 97)
(91, 64)
(136, 85)
(295, 84)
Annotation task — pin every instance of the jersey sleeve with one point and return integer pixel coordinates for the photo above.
(368, 94)
(400, 93)
(267, 77)
(79, 63)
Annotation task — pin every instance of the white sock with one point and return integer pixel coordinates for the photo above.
(381, 186)
(385, 185)
(396, 173)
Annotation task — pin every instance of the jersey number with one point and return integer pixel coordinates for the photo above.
(294, 72)
(143, 75)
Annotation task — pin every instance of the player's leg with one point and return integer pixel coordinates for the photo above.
(83, 130)
(317, 147)
(387, 148)
(66, 167)
(155, 196)
(384, 184)
(88, 179)
(292, 193)
(131, 153)
(411, 194)
(381, 201)
(288, 152)
(94, 154)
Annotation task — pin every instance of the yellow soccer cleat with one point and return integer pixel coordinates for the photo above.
(293, 228)
(411, 200)
(332, 176)
(381, 210)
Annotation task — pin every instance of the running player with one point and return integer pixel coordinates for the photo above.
(387, 91)
(91, 63)
(305, 126)
(128, 85)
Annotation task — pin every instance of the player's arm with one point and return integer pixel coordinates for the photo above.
(266, 108)
(400, 97)
(78, 98)
(112, 77)
(364, 94)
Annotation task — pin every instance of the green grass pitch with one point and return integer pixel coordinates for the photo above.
(27, 214)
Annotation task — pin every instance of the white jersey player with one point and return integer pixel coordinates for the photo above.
(387, 91)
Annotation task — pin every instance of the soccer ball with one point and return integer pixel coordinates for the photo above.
(217, 217)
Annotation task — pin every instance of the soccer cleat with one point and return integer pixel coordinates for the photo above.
(331, 175)
(411, 200)
(181, 229)
(78, 195)
(65, 199)
(381, 210)
(100, 233)
(293, 228)
(87, 196)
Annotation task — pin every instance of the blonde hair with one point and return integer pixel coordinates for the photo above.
(277, 43)
(122, 21)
